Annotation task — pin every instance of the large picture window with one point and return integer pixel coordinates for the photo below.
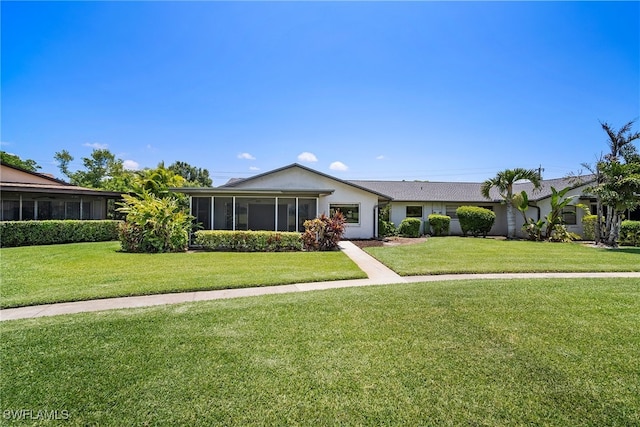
(351, 211)
(414, 212)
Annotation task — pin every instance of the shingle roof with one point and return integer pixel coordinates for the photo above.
(233, 182)
(467, 192)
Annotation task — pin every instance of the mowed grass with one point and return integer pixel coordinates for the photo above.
(47, 274)
(444, 255)
(506, 352)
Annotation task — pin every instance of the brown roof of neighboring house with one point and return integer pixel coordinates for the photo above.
(51, 186)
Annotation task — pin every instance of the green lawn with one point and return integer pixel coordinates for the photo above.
(504, 352)
(443, 255)
(46, 274)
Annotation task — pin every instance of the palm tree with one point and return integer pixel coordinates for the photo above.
(620, 142)
(503, 182)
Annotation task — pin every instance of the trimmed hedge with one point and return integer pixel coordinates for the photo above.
(410, 227)
(630, 233)
(52, 232)
(248, 241)
(439, 224)
(475, 220)
(589, 227)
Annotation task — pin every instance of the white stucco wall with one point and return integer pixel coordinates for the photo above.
(298, 178)
(399, 209)
(545, 209)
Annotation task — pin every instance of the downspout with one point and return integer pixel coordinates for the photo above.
(375, 221)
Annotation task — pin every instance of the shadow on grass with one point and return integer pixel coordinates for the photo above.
(628, 250)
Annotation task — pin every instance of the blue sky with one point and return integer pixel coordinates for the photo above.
(440, 91)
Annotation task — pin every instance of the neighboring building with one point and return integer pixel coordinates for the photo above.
(420, 199)
(284, 198)
(27, 195)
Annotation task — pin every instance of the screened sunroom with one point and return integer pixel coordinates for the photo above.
(273, 210)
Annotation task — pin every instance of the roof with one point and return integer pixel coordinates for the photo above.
(51, 186)
(57, 189)
(34, 174)
(465, 192)
(234, 182)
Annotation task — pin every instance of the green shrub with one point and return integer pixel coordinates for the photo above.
(410, 227)
(248, 241)
(323, 233)
(439, 224)
(475, 220)
(386, 228)
(589, 227)
(51, 232)
(630, 233)
(154, 224)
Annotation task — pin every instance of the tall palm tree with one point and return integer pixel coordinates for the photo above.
(620, 141)
(503, 182)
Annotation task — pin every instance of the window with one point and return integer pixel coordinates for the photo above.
(72, 210)
(351, 211)
(28, 210)
(10, 210)
(286, 214)
(201, 209)
(451, 212)
(223, 213)
(307, 209)
(86, 210)
(569, 215)
(414, 212)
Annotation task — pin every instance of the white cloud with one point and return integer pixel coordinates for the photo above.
(380, 157)
(307, 157)
(96, 145)
(131, 165)
(246, 156)
(4, 143)
(253, 168)
(338, 166)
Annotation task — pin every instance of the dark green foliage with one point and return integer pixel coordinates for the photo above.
(195, 177)
(323, 233)
(385, 226)
(439, 224)
(13, 160)
(248, 241)
(475, 220)
(410, 227)
(589, 227)
(154, 224)
(28, 233)
(386, 229)
(630, 233)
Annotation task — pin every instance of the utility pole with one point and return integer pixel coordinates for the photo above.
(540, 169)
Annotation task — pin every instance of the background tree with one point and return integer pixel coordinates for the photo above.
(13, 160)
(195, 177)
(503, 182)
(102, 169)
(617, 182)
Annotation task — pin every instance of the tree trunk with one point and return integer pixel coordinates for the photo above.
(511, 222)
(599, 221)
(614, 231)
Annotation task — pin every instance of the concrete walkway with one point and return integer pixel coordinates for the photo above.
(377, 273)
